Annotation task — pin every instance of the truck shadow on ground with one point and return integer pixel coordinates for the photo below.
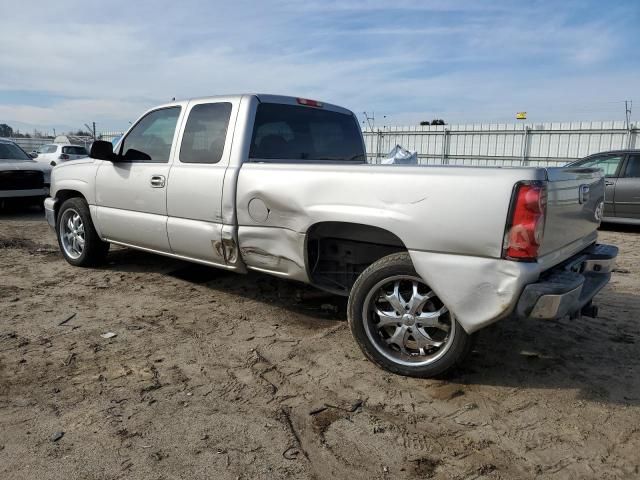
(21, 210)
(290, 295)
(597, 357)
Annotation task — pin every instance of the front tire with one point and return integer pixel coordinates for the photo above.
(79, 242)
(401, 325)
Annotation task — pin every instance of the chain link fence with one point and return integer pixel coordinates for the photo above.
(547, 144)
(31, 144)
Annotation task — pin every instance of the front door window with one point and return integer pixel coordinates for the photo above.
(151, 138)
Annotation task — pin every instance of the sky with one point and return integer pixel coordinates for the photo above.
(67, 63)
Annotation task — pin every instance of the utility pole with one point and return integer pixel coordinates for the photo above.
(371, 120)
(628, 105)
(92, 131)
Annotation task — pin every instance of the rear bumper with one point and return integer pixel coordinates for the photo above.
(568, 288)
(480, 291)
(50, 211)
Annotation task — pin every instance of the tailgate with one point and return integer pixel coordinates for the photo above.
(575, 202)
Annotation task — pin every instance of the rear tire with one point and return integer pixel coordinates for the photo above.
(79, 242)
(401, 325)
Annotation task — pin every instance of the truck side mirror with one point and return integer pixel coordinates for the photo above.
(102, 150)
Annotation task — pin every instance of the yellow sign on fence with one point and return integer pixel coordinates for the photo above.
(521, 115)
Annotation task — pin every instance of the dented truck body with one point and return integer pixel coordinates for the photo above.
(273, 189)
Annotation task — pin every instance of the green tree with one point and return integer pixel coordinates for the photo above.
(5, 130)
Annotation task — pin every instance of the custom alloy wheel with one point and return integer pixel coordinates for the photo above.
(406, 322)
(79, 242)
(401, 324)
(72, 233)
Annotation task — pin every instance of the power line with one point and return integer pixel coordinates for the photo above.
(371, 120)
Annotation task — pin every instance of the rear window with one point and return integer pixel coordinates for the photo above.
(289, 132)
(74, 150)
(48, 149)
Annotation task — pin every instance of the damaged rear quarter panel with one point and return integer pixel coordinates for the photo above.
(443, 209)
(452, 221)
(477, 290)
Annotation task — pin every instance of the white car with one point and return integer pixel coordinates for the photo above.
(59, 152)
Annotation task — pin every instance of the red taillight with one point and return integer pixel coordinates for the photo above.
(309, 103)
(526, 228)
(63, 156)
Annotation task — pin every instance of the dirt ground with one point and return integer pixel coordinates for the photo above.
(214, 375)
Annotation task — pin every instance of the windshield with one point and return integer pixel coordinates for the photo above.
(10, 151)
(291, 132)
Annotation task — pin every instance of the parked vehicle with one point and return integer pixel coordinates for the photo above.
(426, 255)
(21, 177)
(58, 153)
(622, 182)
(115, 140)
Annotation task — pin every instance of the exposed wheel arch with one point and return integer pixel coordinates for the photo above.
(338, 252)
(65, 194)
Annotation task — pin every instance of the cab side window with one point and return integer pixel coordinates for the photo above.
(205, 133)
(150, 139)
(633, 167)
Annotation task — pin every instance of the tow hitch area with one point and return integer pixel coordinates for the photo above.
(589, 310)
(569, 288)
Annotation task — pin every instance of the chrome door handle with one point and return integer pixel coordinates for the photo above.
(157, 181)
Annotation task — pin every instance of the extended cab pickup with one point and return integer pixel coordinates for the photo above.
(427, 255)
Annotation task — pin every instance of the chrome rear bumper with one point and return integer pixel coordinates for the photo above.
(569, 288)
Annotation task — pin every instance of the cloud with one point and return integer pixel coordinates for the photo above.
(462, 61)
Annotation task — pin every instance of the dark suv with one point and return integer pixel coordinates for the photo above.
(622, 171)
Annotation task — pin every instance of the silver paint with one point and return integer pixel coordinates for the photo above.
(450, 219)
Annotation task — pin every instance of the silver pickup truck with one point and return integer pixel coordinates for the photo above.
(426, 255)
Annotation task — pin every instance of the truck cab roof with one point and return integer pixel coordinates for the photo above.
(262, 97)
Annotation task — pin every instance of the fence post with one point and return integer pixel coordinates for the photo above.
(445, 147)
(525, 146)
(378, 145)
(631, 132)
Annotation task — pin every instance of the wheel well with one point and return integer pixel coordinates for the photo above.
(63, 196)
(338, 252)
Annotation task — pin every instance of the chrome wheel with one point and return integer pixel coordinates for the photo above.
(406, 322)
(72, 233)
